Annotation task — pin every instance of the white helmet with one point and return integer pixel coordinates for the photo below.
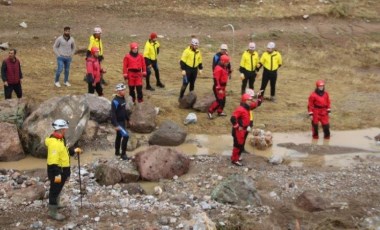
(271, 45)
(250, 92)
(120, 86)
(224, 47)
(252, 46)
(60, 124)
(97, 30)
(194, 42)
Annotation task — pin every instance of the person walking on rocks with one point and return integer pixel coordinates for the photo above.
(64, 49)
(151, 51)
(220, 82)
(134, 69)
(319, 110)
(11, 75)
(249, 65)
(272, 61)
(118, 117)
(94, 71)
(58, 165)
(191, 64)
(240, 120)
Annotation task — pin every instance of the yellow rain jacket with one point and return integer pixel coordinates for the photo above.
(58, 157)
(271, 61)
(191, 58)
(151, 50)
(249, 61)
(97, 43)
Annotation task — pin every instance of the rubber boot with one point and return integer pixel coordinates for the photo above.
(54, 214)
(59, 204)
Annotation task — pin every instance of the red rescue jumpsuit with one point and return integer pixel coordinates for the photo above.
(134, 70)
(94, 71)
(219, 88)
(319, 108)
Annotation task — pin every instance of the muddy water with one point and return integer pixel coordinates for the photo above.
(199, 144)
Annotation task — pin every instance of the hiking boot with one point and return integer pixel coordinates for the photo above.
(53, 213)
(150, 88)
(59, 204)
(273, 99)
(57, 84)
(160, 85)
(237, 163)
(209, 116)
(67, 84)
(117, 153)
(222, 114)
(124, 157)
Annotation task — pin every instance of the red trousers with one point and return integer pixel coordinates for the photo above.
(239, 140)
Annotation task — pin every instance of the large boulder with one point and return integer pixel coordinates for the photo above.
(187, 101)
(13, 111)
(202, 104)
(143, 118)
(157, 163)
(100, 108)
(107, 174)
(10, 144)
(168, 134)
(37, 125)
(237, 190)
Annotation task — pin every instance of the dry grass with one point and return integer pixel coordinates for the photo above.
(344, 52)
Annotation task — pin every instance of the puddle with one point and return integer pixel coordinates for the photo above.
(200, 144)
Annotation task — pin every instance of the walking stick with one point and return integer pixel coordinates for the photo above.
(78, 151)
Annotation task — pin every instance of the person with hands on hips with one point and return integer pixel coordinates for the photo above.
(58, 165)
(319, 110)
(240, 120)
(118, 117)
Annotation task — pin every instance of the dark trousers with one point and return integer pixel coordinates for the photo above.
(13, 87)
(56, 188)
(191, 75)
(156, 73)
(139, 93)
(249, 77)
(269, 76)
(97, 87)
(121, 141)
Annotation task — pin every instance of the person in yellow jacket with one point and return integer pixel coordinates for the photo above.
(271, 60)
(190, 63)
(151, 51)
(249, 65)
(58, 165)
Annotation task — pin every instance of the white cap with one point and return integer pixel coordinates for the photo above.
(224, 47)
(250, 92)
(97, 30)
(252, 46)
(271, 45)
(194, 42)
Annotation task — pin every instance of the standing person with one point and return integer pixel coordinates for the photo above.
(215, 60)
(118, 117)
(64, 49)
(11, 75)
(249, 65)
(96, 41)
(94, 71)
(190, 63)
(219, 87)
(134, 69)
(58, 165)
(151, 51)
(271, 60)
(240, 120)
(319, 110)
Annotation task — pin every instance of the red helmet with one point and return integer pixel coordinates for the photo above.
(134, 45)
(224, 59)
(246, 97)
(153, 35)
(320, 83)
(94, 49)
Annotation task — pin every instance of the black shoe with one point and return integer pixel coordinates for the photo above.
(124, 157)
(160, 85)
(150, 88)
(117, 153)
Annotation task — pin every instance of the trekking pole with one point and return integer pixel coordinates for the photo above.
(78, 151)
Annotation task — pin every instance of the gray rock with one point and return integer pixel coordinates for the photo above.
(202, 104)
(99, 107)
(311, 202)
(143, 118)
(168, 134)
(106, 174)
(10, 144)
(187, 101)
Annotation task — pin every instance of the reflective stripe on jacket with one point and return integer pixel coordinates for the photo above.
(192, 58)
(271, 61)
(249, 61)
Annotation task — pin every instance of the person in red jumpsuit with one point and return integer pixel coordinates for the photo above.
(319, 110)
(221, 72)
(134, 70)
(240, 120)
(94, 72)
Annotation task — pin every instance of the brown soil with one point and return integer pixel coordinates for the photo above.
(339, 42)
